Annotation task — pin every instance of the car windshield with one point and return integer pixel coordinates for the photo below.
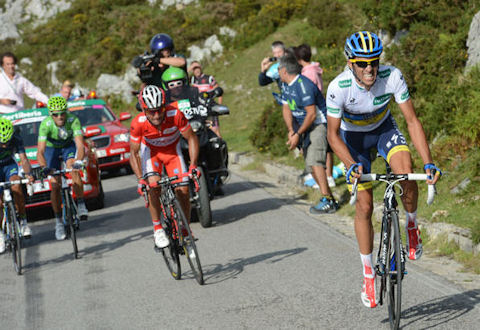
(29, 133)
(93, 115)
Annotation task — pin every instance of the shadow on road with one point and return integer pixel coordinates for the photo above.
(439, 311)
(242, 210)
(238, 187)
(217, 273)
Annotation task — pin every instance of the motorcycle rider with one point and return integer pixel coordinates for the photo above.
(154, 141)
(191, 103)
(163, 49)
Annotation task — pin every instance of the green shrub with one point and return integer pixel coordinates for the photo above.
(270, 133)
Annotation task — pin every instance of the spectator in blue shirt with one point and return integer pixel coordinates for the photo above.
(304, 113)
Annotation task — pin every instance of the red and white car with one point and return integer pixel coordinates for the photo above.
(112, 144)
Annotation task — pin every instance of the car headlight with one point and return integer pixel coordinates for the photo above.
(124, 137)
(196, 125)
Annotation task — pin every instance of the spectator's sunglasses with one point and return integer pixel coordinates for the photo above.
(175, 83)
(374, 62)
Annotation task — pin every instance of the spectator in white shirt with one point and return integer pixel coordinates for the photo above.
(13, 85)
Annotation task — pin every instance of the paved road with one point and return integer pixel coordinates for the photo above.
(267, 265)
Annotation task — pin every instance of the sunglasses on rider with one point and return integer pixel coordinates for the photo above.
(374, 62)
(154, 110)
(58, 114)
(176, 83)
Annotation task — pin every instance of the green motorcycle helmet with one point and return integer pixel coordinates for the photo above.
(172, 74)
(6, 130)
(57, 104)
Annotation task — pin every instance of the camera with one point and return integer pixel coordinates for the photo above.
(272, 59)
(13, 102)
(146, 63)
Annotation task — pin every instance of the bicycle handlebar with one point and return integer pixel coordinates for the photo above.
(22, 181)
(389, 178)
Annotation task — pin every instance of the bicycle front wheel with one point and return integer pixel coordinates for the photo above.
(15, 240)
(170, 253)
(394, 278)
(188, 243)
(70, 222)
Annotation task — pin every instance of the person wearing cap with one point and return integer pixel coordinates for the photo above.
(66, 91)
(13, 85)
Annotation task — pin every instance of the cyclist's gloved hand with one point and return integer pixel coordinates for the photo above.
(77, 165)
(354, 168)
(193, 170)
(142, 184)
(46, 171)
(434, 171)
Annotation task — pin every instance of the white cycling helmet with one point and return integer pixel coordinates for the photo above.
(151, 97)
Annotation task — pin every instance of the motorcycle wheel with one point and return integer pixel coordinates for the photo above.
(204, 212)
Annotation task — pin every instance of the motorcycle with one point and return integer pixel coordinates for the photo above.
(212, 158)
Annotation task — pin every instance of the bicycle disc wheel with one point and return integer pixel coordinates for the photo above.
(71, 223)
(15, 240)
(394, 279)
(170, 253)
(188, 243)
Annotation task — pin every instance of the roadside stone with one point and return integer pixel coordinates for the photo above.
(439, 214)
(473, 42)
(461, 186)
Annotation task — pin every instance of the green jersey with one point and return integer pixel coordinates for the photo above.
(60, 137)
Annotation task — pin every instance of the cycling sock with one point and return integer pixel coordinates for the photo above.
(80, 201)
(156, 225)
(367, 263)
(411, 221)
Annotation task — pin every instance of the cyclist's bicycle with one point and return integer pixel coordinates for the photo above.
(390, 265)
(69, 209)
(10, 223)
(176, 226)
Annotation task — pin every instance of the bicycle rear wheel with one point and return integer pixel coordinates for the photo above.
(70, 221)
(15, 240)
(394, 278)
(170, 253)
(188, 243)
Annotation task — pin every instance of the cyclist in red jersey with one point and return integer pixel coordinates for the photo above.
(154, 137)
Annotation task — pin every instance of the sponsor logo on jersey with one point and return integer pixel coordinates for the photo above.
(381, 99)
(384, 73)
(142, 119)
(345, 83)
(333, 110)
(171, 113)
(292, 104)
(405, 96)
(169, 130)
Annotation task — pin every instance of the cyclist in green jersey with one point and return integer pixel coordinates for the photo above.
(60, 135)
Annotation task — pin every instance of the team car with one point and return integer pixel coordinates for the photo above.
(112, 143)
(27, 122)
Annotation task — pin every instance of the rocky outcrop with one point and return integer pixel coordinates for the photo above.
(473, 42)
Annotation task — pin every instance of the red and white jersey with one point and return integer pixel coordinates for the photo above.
(204, 83)
(167, 136)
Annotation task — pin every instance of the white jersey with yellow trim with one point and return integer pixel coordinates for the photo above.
(364, 110)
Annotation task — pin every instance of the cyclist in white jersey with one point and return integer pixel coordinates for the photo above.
(359, 120)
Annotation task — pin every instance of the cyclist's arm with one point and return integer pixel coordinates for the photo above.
(135, 159)
(336, 142)
(415, 129)
(27, 168)
(41, 153)
(193, 146)
(173, 61)
(80, 147)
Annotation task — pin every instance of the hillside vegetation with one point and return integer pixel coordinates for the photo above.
(96, 37)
